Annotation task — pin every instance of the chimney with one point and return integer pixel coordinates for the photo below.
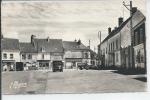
(48, 39)
(75, 40)
(109, 30)
(134, 9)
(32, 39)
(120, 21)
(115, 28)
(79, 42)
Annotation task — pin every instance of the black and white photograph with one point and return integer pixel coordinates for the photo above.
(73, 47)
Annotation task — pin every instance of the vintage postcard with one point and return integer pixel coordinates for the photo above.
(73, 46)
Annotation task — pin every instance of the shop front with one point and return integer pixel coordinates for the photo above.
(57, 61)
(71, 63)
(43, 64)
(30, 65)
(139, 56)
(8, 65)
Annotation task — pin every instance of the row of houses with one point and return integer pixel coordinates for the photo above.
(44, 54)
(124, 47)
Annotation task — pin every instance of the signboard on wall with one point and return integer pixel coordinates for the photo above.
(56, 57)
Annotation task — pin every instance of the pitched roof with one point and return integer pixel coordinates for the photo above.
(51, 45)
(114, 32)
(9, 44)
(27, 48)
(71, 45)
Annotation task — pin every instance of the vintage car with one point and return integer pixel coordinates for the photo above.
(94, 67)
(83, 66)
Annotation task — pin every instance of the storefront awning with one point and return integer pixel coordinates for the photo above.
(43, 60)
(72, 60)
(8, 60)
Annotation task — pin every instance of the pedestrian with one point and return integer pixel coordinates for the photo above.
(5, 67)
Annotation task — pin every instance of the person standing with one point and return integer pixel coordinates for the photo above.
(5, 67)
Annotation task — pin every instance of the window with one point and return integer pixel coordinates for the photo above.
(110, 47)
(11, 56)
(116, 44)
(29, 56)
(5, 56)
(104, 52)
(42, 56)
(113, 46)
(116, 57)
(141, 35)
(136, 38)
(86, 55)
(23, 56)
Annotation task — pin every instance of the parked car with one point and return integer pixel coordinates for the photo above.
(94, 67)
(58, 66)
(83, 66)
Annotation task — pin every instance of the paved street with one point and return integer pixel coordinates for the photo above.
(69, 81)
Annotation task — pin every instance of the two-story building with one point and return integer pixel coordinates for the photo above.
(42, 53)
(139, 40)
(115, 50)
(10, 53)
(111, 46)
(75, 52)
(28, 55)
(50, 52)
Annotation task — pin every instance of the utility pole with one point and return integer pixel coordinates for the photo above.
(94, 49)
(99, 36)
(131, 32)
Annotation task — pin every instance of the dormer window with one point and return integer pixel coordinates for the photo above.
(23, 56)
(29, 56)
(42, 49)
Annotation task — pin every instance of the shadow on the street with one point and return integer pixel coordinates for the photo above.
(143, 79)
(130, 72)
(30, 92)
(133, 72)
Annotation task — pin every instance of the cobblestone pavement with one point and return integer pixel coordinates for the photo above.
(70, 81)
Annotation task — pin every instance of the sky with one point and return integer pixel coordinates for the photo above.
(66, 19)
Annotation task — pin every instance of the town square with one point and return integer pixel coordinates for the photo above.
(71, 81)
(73, 47)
